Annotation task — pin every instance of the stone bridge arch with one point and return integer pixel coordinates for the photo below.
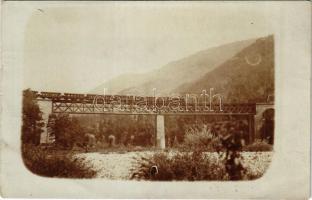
(260, 109)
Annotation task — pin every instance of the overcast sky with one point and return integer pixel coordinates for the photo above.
(76, 48)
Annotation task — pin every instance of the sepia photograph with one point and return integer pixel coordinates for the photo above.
(160, 97)
(145, 99)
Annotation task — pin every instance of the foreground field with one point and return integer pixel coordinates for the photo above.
(119, 166)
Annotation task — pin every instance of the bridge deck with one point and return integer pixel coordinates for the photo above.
(138, 105)
(118, 104)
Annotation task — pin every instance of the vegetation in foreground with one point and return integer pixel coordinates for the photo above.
(47, 163)
(42, 160)
(183, 166)
(195, 165)
(198, 166)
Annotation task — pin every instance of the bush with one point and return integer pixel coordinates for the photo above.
(181, 166)
(43, 162)
(203, 139)
(258, 146)
(199, 166)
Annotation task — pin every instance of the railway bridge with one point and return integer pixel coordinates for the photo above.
(52, 102)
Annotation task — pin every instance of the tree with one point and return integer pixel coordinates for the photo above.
(66, 130)
(32, 119)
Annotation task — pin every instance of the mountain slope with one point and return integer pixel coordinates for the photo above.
(247, 77)
(174, 74)
(115, 85)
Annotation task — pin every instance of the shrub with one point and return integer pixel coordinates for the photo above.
(180, 166)
(258, 146)
(204, 139)
(43, 162)
(199, 166)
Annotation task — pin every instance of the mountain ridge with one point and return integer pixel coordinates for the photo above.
(188, 69)
(241, 71)
(247, 78)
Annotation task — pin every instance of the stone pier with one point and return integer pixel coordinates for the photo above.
(46, 109)
(160, 131)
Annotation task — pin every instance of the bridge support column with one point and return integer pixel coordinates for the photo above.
(160, 132)
(46, 109)
(251, 123)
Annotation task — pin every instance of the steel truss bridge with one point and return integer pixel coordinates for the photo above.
(135, 105)
(117, 104)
